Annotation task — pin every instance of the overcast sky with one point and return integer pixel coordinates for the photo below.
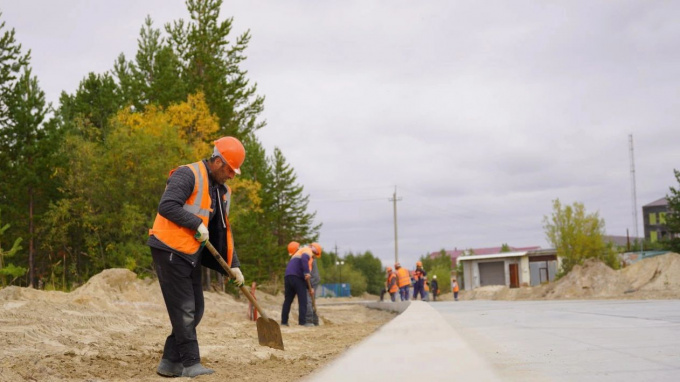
(479, 112)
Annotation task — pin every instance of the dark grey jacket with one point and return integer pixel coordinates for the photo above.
(179, 187)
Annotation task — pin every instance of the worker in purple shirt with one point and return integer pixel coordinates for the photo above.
(295, 282)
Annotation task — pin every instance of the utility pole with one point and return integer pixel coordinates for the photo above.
(394, 200)
(633, 193)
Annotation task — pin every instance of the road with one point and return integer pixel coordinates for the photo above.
(594, 340)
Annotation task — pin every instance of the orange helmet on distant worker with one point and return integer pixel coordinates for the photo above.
(419, 263)
(316, 247)
(231, 151)
(293, 247)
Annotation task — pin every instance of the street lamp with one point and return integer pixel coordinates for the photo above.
(340, 263)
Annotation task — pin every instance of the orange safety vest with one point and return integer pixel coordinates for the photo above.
(455, 286)
(181, 238)
(393, 287)
(309, 252)
(403, 278)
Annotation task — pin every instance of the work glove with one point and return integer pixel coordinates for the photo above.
(202, 234)
(238, 276)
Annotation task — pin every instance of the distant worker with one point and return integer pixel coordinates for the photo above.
(293, 247)
(315, 280)
(295, 282)
(194, 208)
(454, 287)
(426, 287)
(435, 287)
(403, 281)
(390, 285)
(419, 284)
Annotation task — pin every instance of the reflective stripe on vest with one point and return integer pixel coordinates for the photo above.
(403, 277)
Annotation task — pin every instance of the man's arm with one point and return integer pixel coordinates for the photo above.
(305, 266)
(178, 190)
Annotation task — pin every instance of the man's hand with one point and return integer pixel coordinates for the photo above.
(202, 234)
(307, 276)
(238, 276)
(311, 292)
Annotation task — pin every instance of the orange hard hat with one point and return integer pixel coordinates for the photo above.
(389, 269)
(293, 246)
(316, 247)
(231, 151)
(419, 263)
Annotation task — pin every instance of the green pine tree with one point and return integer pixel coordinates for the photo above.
(288, 209)
(155, 77)
(211, 64)
(29, 172)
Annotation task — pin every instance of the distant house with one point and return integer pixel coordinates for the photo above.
(511, 269)
(455, 253)
(654, 218)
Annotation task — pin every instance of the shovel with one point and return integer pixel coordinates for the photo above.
(268, 330)
(313, 296)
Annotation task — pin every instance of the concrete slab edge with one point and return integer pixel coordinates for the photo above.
(418, 344)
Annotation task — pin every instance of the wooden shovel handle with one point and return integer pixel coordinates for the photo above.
(231, 275)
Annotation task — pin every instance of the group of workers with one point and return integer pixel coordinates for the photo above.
(400, 280)
(302, 280)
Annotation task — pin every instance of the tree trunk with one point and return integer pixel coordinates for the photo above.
(30, 238)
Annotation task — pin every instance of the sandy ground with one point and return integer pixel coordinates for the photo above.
(113, 329)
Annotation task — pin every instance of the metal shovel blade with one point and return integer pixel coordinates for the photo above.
(268, 330)
(269, 333)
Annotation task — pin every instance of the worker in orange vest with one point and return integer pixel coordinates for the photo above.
(454, 286)
(419, 285)
(194, 208)
(390, 285)
(403, 281)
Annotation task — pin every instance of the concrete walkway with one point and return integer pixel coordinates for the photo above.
(417, 345)
(594, 340)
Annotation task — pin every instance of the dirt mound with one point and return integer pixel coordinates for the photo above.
(652, 278)
(593, 279)
(117, 288)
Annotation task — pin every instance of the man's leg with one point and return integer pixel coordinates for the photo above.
(301, 291)
(289, 295)
(178, 280)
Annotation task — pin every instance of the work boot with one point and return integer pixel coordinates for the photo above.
(169, 369)
(196, 370)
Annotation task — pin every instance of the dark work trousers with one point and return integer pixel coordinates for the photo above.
(181, 286)
(418, 289)
(295, 286)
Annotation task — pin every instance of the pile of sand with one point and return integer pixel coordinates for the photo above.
(113, 328)
(652, 278)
